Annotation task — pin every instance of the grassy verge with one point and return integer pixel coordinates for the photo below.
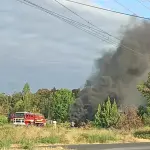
(57, 148)
(29, 137)
(143, 133)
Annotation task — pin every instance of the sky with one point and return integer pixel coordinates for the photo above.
(138, 7)
(46, 52)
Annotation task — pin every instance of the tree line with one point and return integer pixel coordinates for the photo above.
(55, 104)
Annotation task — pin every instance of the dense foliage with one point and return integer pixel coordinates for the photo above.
(144, 111)
(129, 119)
(3, 120)
(142, 134)
(107, 114)
(54, 103)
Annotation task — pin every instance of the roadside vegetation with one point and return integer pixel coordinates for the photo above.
(48, 148)
(30, 137)
(108, 126)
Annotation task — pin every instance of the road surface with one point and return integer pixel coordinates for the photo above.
(130, 146)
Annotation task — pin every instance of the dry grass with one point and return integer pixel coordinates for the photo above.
(56, 148)
(28, 137)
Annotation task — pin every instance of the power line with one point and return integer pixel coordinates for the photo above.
(91, 23)
(74, 23)
(124, 7)
(84, 19)
(142, 3)
(113, 11)
(98, 29)
(146, 1)
(77, 25)
(66, 19)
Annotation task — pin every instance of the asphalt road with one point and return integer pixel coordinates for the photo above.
(130, 146)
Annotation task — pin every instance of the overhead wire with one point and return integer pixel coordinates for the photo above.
(74, 23)
(142, 3)
(124, 7)
(97, 28)
(92, 24)
(66, 19)
(109, 10)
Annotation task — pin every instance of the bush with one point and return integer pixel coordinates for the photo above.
(142, 134)
(146, 119)
(107, 115)
(144, 113)
(130, 119)
(3, 120)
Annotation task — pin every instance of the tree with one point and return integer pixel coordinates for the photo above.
(4, 103)
(15, 98)
(19, 106)
(76, 92)
(26, 89)
(27, 97)
(59, 107)
(44, 93)
(114, 114)
(129, 119)
(97, 120)
(144, 88)
(107, 115)
(88, 83)
(43, 98)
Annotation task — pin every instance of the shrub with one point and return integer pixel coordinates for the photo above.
(130, 119)
(144, 113)
(142, 134)
(144, 89)
(146, 119)
(107, 115)
(3, 120)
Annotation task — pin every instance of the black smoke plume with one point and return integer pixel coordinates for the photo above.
(117, 74)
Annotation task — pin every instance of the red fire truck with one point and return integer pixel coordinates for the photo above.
(27, 118)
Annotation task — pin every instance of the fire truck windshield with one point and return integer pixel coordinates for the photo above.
(19, 115)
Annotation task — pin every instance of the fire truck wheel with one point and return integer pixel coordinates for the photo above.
(29, 124)
(40, 125)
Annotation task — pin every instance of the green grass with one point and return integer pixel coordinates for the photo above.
(29, 137)
(27, 144)
(142, 134)
(5, 143)
(97, 138)
(50, 140)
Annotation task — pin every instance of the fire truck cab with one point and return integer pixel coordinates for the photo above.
(27, 118)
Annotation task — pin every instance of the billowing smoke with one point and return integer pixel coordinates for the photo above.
(117, 74)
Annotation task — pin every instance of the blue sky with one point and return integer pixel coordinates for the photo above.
(133, 5)
(46, 52)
